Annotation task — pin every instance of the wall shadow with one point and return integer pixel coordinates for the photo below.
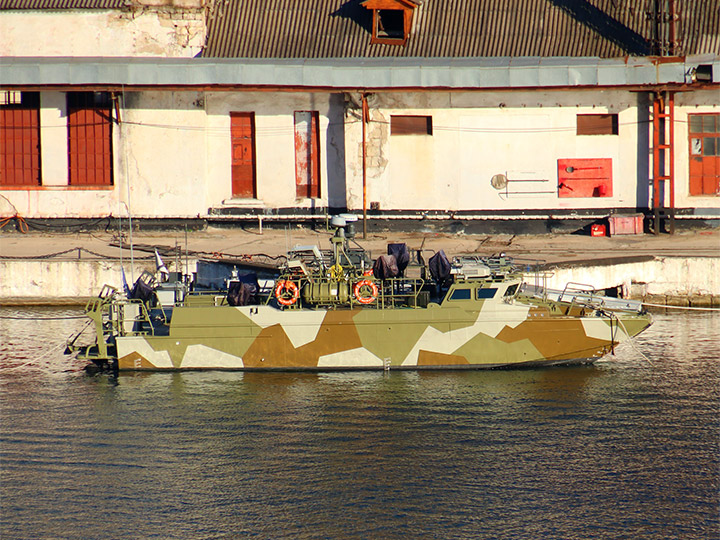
(602, 23)
(643, 150)
(354, 12)
(335, 154)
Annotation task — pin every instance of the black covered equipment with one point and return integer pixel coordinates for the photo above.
(439, 266)
(402, 256)
(243, 292)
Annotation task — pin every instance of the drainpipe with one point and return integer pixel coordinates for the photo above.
(671, 164)
(673, 48)
(364, 163)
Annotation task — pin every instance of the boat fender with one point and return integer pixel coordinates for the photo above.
(286, 292)
(364, 297)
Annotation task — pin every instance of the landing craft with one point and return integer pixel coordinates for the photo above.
(338, 309)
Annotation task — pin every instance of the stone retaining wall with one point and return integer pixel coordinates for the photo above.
(688, 281)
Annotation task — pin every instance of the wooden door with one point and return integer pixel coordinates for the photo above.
(20, 143)
(90, 146)
(307, 154)
(704, 154)
(242, 133)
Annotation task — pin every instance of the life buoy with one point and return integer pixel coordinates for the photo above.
(286, 292)
(361, 295)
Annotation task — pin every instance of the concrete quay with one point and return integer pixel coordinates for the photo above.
(68, 268)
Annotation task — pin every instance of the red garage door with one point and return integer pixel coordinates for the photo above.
(20, 139)
(90, 139)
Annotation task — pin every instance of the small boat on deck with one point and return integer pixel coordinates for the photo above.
(339, 309)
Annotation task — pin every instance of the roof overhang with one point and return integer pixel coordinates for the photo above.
(356, 73)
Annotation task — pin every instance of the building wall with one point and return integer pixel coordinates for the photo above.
(160, 31)
(172, 156)
(703, 101)
(520, 134)
(172, 153)
(275, 147)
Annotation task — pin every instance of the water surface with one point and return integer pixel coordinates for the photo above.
(628, 448)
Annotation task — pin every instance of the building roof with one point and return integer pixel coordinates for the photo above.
(356, 74)
(51, 5)
(460, 28)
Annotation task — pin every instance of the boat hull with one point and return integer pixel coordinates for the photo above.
(265, 338)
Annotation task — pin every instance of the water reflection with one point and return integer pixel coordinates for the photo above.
(621, 449)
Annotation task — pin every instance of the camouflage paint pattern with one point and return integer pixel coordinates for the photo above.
(459, 334)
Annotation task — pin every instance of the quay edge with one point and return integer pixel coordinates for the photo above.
(662, 280)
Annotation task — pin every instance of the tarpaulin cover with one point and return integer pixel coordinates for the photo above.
(243, 292)
(402, 256)
(439, 266)
(385, 267)
(141, 291)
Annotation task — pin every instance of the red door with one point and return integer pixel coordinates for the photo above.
(242, 133)
(90, 146)
(704, 154)
(19, 145)
(307, 154)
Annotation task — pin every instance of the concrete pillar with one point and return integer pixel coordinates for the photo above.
(53, 139)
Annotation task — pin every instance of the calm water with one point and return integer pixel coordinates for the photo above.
(628, 448)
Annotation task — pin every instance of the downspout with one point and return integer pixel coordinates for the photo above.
(672, 46)
(364, 162)
(671, 164)
(123, 136)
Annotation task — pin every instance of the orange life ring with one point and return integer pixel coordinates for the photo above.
(365, 299)
(284, 288)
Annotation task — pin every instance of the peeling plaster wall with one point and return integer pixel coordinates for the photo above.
(157, 31)
(274, 146)
(161, 153)
(172, 156)
(522, 134)
(172, 153)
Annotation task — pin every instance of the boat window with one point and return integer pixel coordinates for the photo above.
(511, 290)
(460, 294)
(482, 294)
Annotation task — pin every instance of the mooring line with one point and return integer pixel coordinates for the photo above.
(43, 318)
(54, 350)
(632, 342)
(681, 307)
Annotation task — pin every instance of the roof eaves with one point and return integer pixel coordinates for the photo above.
(376, 73)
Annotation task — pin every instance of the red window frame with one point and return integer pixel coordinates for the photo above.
(395, 11)
(410, 125)
(597, 124)
(20, 164)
